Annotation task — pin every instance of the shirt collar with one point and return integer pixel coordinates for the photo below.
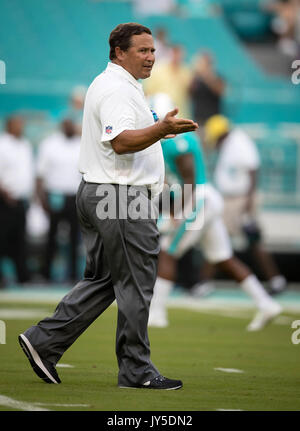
(113, 67)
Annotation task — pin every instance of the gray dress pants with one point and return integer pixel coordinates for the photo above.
(121, 264)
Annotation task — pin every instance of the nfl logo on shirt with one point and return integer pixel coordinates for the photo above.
(108, 129)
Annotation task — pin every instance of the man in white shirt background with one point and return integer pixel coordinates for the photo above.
(235, 176)
(16, 186)
(121, 160)
(57, 182)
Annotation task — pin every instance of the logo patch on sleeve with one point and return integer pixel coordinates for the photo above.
(108, 129)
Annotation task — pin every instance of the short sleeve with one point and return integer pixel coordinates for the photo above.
(117, 113)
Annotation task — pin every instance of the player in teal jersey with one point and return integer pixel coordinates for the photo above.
(202, 224)
(179, 146)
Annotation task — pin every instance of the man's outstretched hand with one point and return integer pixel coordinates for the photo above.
(174, 126)
(131, 141)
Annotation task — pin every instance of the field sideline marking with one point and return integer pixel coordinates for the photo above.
(238, 314)
(229, 410)
(64, 365)
(229, 370)
(289, 301)
(20, 405)
(22, 313)
(62, 405)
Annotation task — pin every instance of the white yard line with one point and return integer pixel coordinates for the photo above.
(19, 405)
(245, 314)
(62, 405)
(22, 313)
(64, 366)
(38, 296)
(25, 313)
(37, 407)
(229, 410)
(229, 370)
(228, 304)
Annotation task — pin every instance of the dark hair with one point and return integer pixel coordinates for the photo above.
(121, 36)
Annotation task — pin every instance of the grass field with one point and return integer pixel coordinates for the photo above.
(191, 348)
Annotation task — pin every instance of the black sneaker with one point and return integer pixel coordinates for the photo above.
(159, 382)
(44, 369)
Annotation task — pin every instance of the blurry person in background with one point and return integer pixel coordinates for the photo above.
(235, 176)
(195, 219)
(57, 182)
(206, 89)
(75, 110)
(16, 185)
(162, 46)
(172, 78)
(153, 7)
(204, 227)
(286, 25)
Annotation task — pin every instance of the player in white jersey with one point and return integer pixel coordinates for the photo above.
(205, 227)
(235, 177)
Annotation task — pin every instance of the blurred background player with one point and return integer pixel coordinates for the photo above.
(247, 60)
(203, 225)
(16, 185)
(173, 78)
(206, 89)
(75, 110)
(162, 46)
(57, 182)
(236, 176)
(153, 7)
(72, 109)
(286, 25)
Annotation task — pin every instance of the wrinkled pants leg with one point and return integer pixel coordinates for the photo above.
(121, 263)
(52, 336)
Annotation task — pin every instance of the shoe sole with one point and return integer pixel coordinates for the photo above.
(35, 360)
(147, 387)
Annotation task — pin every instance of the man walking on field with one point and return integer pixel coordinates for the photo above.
(121, 159)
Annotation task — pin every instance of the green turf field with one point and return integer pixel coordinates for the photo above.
(195, 344)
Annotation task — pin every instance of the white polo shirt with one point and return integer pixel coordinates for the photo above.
(16, 166)
(57, 163)
(238, 155)
(115, 102)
